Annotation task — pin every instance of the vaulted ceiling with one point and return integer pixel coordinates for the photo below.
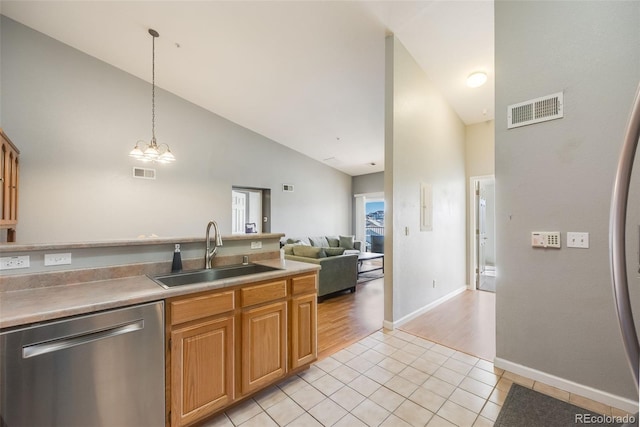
(306, 74)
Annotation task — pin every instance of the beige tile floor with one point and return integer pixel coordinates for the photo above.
(390, 378)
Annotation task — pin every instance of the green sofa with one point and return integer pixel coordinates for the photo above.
(338, 265)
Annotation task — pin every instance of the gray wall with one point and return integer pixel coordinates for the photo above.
(369, 183)
(75, 119)
(554, 307)
(424, 143)
(480, 149)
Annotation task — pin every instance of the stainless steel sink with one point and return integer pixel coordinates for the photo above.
(208, 275)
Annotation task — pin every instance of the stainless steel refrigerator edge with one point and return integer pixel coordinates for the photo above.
(103, 369)
(622, 266)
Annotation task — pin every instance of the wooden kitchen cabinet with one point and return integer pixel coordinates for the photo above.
(304, 317)
(264, 345)
(227, 344)
(9, 162)
(202, 352)
(202, 373)
(264, 334)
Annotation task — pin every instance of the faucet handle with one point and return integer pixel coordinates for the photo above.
(245, 260)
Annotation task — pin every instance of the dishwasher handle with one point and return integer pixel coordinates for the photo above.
(68, 342)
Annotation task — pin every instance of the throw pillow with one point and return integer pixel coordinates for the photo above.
(346, 242)
(334, 242)
(308, 251)
(333, 251)
(319, 242)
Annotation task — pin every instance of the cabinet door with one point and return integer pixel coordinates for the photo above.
(9, 165)
(264, 345)
(304, 338)
(201, 369)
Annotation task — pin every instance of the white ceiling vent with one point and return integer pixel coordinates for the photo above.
(535, 111)
(144, 173)
(287, 187)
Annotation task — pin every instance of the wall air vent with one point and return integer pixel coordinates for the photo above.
(144, 173)
(535, 111)
(287, 188)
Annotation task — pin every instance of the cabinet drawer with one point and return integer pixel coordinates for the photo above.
(202, 306)
(303, 284)
(263, 293)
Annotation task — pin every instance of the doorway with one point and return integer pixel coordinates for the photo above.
(250, 210)
(483, 268)
(369, 221)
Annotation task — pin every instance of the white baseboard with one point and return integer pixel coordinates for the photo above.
(567, 385)
(387, 325)
(392, 325)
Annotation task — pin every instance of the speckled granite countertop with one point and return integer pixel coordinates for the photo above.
(22, 307)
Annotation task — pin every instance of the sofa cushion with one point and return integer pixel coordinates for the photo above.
(298, 240)
(334, 241)
(319, 242)
(288, 248)
(333, 251)
(308, 251)
(346, 242)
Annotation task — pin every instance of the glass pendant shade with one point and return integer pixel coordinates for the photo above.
(151, 152)
(136, 153)
(167, 157)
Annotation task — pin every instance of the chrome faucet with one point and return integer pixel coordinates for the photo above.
(211, 252)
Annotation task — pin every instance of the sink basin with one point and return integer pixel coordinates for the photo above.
(199, 276)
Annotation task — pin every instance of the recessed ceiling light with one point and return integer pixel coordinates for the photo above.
(477, 79)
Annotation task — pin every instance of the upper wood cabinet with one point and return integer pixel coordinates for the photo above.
(9, 165)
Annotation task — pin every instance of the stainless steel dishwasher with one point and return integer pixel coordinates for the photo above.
(103, 369)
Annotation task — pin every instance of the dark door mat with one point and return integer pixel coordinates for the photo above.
(524, 407)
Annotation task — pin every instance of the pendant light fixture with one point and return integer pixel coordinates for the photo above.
(152, 152)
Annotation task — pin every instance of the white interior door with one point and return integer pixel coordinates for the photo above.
(482, 233)
(238, 211)
(482, 259)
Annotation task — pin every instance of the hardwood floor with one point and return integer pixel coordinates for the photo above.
(349, 317)
(466, 322)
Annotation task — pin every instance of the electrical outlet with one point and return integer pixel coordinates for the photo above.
(13, 262)
(577, 240)
(57, 259)
(256, 245)
(545, 239)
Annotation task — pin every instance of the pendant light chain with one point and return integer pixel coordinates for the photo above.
(153, 89)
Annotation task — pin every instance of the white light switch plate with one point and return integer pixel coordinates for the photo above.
(57, 259)
(577, 240)
(256, 245)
